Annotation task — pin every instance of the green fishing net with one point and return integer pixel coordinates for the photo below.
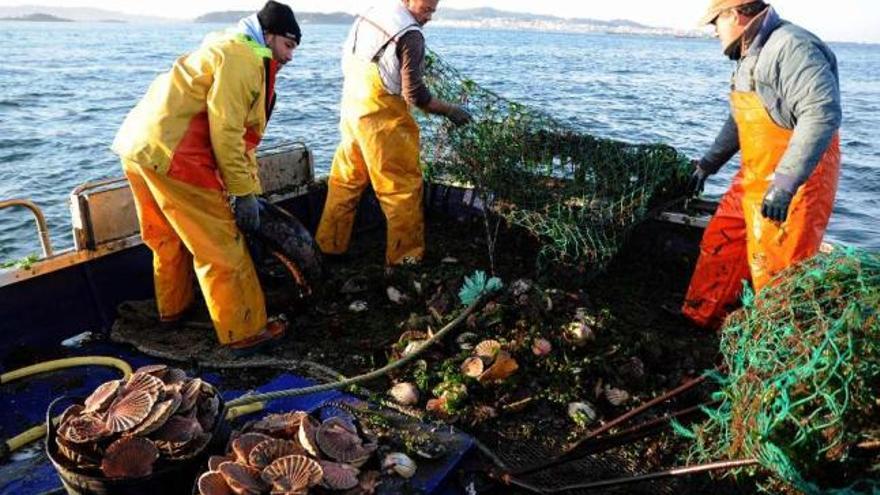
(803, 379)
(578, 194)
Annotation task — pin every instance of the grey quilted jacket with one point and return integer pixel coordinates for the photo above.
(795, 76)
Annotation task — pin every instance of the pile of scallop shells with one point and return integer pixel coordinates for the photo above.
(126, 428)
(295, 453)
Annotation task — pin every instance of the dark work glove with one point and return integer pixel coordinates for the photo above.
(459, 116)
(776, 203)
(247, 212)
(697, 182)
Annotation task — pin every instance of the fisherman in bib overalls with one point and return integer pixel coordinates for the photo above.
(383, 62)
(785, 116)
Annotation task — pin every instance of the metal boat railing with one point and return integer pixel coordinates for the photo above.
(42, 228)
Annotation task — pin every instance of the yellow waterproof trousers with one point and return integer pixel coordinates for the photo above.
(190, 227)
(380, 146)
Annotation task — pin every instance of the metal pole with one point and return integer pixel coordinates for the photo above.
(42, 228)
(669, 473)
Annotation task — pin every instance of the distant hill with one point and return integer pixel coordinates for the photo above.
(37, 18)
(490, 14)
(79, 14)
(229, 17)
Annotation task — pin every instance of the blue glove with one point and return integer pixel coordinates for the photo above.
(247, 212)
(697, 181)
(776, 203)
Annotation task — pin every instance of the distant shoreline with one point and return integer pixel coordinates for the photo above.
(36, 18)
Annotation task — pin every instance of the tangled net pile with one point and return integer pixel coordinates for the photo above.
(578, 194)
(804, 378)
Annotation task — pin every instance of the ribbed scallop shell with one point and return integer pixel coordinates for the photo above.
(174, 376)
(267, 451)
(242, 478)
(213, 483)
(70, 413)
(487, 349)
(190, 394)
(306, 435)
(339, 440)
(293, 473)
(176, 433)
(616, 396)
(83, 429)
(157, 370)
(159, 415)
(501, 369)
(405, 394)
(215, 460)
(82, 456)
(142, 382)
(339, 476)
(129, 457)
(98, 401)
(284, 425)
(473, 366)
(243, 445)
(129, 410)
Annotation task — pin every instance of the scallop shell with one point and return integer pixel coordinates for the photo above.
(501, 369)
(339, 476)
(158, 416)
(174, 376)
(473, 366)
(213, 483)
(267, 451)
(616, 396)
(411, 335)
(215, 460)
(243, 445)
(129, 457)
(399, 463)
(129, 410)
(339, 440)
(308, 430)
(190, 394)
(541, 347)
(83, 429)
(405, 394)
(192, 448)
(293, 473)
(101, 398)
(466, 340)
(582, 412)
(242, 478)
(142, 382)
(488, 349)
(280, 425)
(207, 415)
(70, 413)
(82, 456)
(157, 370)
(175, 434)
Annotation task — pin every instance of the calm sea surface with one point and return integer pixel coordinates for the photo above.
(65, 88)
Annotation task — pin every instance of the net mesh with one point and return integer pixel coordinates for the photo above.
(580, 195)
(804, 377)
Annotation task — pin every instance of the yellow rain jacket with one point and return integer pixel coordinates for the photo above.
(201, 121)
(193, 135)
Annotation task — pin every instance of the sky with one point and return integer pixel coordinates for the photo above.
(840, 20)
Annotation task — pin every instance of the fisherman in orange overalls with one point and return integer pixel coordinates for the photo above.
(785, 116)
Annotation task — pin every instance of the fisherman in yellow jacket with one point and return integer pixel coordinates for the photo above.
(188, 151)
(383, 62)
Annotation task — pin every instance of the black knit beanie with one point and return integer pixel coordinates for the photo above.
(277, 18)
